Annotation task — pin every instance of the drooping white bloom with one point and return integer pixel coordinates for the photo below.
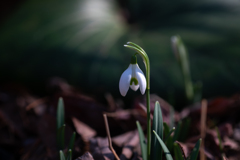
(133, 77)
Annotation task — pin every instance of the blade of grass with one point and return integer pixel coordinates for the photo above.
(69, 154)
(193, 155)
(60, 113)
(175, 136)
(177, 132)
(184, 132)
(177, 152)
(165, 149)
(62, 157)
(181, 54)
(157, 125)
(169, 134)
(142, 141)
(166, 129)
(172, 119)
(61, 137)
(168, 138)
(71, 143)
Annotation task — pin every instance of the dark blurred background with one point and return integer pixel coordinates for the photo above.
(82, 42)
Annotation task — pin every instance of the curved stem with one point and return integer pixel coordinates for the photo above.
(144, 55)
(145, 58)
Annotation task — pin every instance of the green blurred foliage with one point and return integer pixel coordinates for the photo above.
(82, 41)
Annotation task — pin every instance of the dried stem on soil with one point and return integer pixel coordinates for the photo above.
(109, 137)
(203, 127)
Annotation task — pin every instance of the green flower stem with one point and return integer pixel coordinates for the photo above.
(145, 58)
(148, 124)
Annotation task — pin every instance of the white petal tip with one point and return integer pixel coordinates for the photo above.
(123, 93)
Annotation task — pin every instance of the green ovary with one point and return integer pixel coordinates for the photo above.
(134, 80)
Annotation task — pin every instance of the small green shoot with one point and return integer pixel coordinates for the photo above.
(62, 157)
(60, 113)
(60, 124)
(181, 54)
(61, 133)
(71, 144)
(185, 129)
(166, 130)
(60, 137)
(177, 152)
(169, 134)
(193, 155)
(172, 119)
(69, 154)
(177, 131)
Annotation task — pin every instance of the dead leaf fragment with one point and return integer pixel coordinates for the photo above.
(84, 130)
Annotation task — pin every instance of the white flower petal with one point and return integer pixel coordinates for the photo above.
(134, 87)
(125, 80)
(141, 79)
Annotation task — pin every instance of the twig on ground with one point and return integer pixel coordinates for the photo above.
(203, 127)
(109, 137)
(35, 103)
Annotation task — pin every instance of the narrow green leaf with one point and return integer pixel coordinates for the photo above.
(166, 129)
(62, 157)
(177, 152)
(61, 137)
(169, 134)
(71, 143)
(184, 132)
(69, 154)
(168, 139)
(60, 113)
(193, 155)
(157, 125)
(165, 149)
(182, 57)
(142, 141)
(177, 131)
(172, 119)
(197, 89)
(219, 139)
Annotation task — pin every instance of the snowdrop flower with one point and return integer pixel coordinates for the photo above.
(133, 77)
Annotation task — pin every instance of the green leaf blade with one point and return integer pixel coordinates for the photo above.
(61, 137)
(169, 135)
(142, 141)
(62, 157)
(177, 152)
(156, 149)
(194, 154)
(69, 154)
(60, 113)
(177, 131)
(71, 144)
(165, 149)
